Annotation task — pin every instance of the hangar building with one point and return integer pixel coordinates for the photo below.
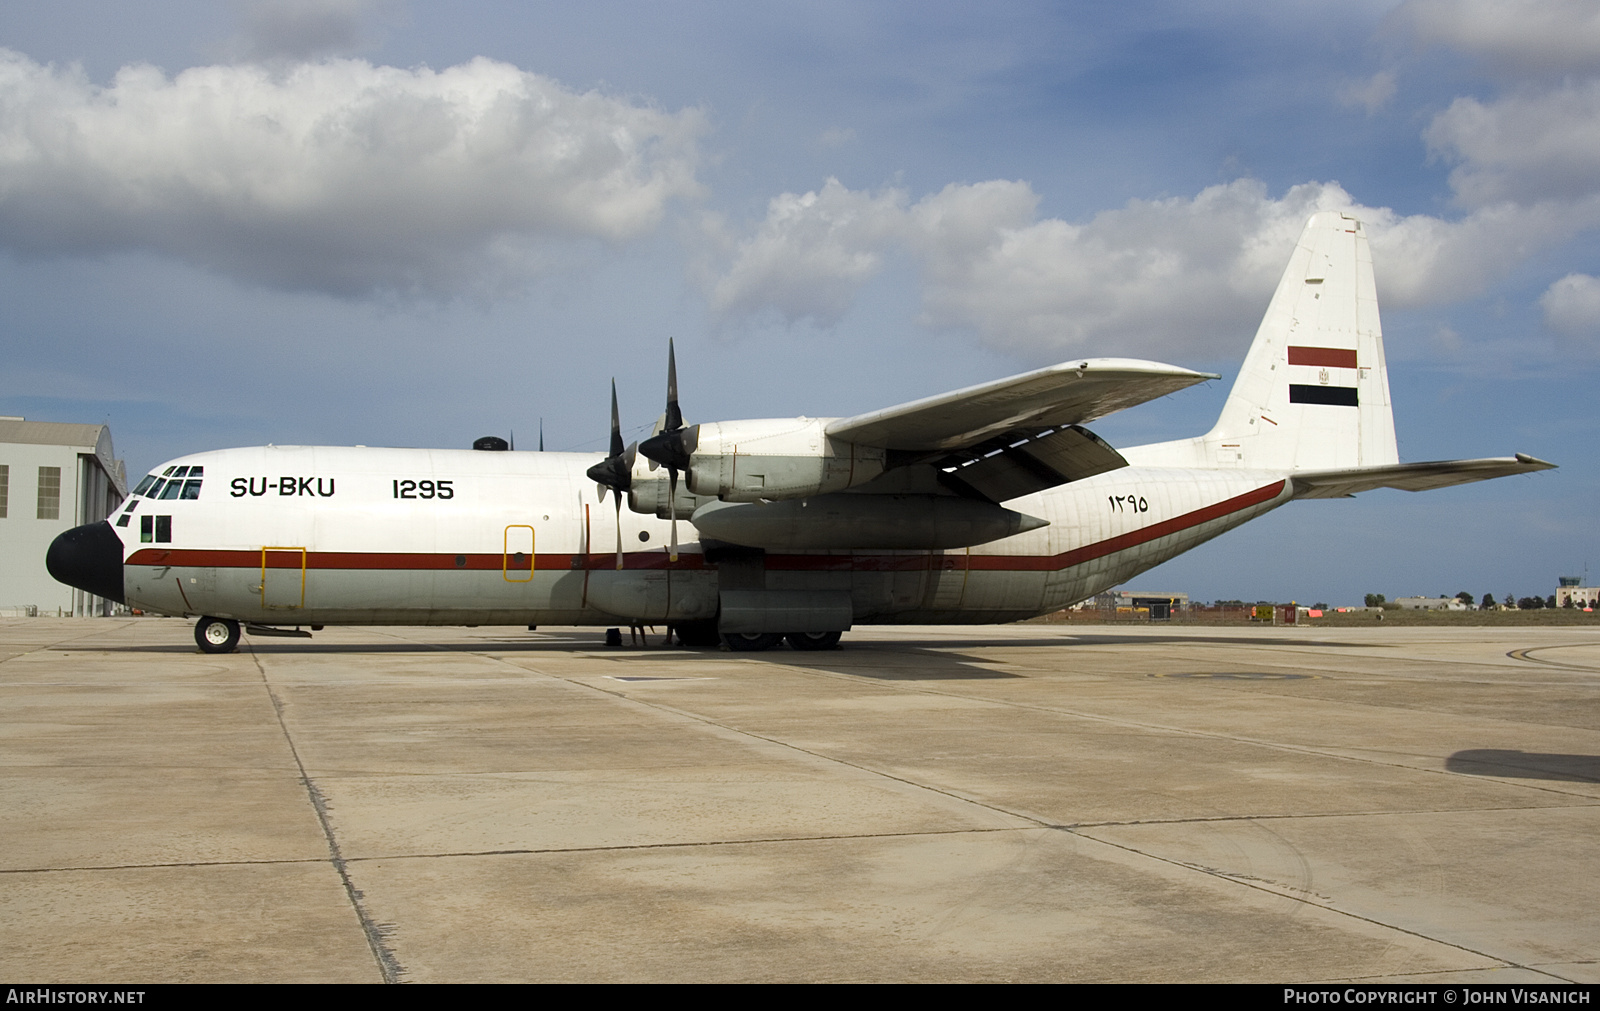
(52, 477)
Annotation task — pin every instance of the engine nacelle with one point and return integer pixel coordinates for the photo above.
(780, 458)
(650, 492)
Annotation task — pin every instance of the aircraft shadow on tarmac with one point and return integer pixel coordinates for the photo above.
(893, 665)
(885, 661)
(1525, 765)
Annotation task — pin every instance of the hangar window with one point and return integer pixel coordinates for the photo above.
(49, 493)
(5, 488)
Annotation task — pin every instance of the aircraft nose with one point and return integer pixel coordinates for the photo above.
(89, 558)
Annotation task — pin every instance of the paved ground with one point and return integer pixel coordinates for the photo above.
(1021, 803)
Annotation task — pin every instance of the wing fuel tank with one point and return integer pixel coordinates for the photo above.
(846, 521)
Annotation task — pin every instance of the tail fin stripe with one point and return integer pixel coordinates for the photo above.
(1335, 396)
(1338, 358)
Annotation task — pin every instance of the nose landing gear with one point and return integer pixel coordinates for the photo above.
(216, 635)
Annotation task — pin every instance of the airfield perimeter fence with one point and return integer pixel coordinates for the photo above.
(1234, 614)
(1230, 614)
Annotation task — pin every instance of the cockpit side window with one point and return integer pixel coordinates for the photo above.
(144, 486)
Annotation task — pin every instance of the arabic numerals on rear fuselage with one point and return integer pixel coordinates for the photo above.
(1127, 503)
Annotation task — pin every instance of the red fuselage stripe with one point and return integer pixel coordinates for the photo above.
(375, 560)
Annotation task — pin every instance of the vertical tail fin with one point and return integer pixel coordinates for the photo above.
(1314, 392)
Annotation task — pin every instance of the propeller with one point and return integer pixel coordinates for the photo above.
(673, 445)
(615, 471)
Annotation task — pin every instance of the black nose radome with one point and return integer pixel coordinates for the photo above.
(90, 558)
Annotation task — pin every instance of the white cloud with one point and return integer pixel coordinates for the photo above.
(337, 176)
(1181, 276)
(1530, 146)
(1190, 275)
(1572, 306)
(811, 254)
(1524, 37)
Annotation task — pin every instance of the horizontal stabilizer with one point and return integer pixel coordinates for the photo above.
(1412, 476)
(1067, 394)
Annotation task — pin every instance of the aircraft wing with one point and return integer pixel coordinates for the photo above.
(1412, 476)
(1022, 406)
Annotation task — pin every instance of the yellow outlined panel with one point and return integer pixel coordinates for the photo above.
(517, 557)
(288, 591)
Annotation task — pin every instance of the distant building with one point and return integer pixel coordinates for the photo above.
(1431, 604)
(1159, 605)
(52, 477)
(1579, 595)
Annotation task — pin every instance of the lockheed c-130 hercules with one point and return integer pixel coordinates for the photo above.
(989, 504)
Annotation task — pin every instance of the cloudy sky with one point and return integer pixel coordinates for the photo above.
(414, 223)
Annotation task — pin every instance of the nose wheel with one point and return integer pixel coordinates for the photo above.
(216, 635)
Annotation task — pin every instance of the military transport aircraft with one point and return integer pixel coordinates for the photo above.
(988, 504)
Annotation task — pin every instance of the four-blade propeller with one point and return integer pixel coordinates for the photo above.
(616, 470)
(673, 446)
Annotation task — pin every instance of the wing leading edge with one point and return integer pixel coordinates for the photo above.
(1020, 406)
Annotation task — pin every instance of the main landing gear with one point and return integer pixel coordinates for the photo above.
(813, 640)
(216, 635)
(752, 642)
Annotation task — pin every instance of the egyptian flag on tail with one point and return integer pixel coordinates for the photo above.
(1326, 376)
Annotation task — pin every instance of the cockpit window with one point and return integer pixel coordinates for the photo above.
(175, 482)
(172, 483)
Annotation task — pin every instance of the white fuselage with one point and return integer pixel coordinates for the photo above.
(296, 535)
